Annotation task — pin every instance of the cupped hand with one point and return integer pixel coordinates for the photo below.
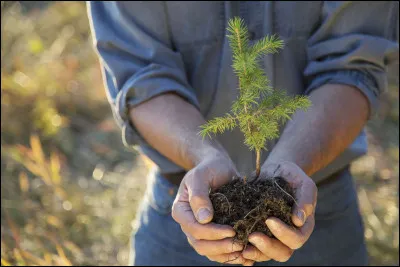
(287, 239)
(193, 210)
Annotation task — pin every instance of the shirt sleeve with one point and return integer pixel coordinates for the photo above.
(355, 44)
(137, 58)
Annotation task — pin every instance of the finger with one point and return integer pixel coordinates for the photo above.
(276, 170)
(291, 237)
(305, 189)
(198, 191)
(272, 248)
(182, 214)
(248, 263)
(214, 247)
(252, 253)
(231, 258)
(287, 170)
(306, 196)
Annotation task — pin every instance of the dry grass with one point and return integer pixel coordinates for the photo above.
(69, 189)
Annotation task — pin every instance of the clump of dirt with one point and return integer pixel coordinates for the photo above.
(246, 205)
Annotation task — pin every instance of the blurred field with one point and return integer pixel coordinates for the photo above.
(69, 189)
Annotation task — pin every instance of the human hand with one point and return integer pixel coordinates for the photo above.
(193, 210)
(287, 239)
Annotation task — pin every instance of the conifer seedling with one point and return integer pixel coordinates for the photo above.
(258, 111)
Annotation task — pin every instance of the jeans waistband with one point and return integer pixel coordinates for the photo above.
(176, 178)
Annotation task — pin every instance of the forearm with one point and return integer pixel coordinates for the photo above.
(314, 138)
(171, 125)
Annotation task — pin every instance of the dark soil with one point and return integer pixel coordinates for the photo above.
(246, 205)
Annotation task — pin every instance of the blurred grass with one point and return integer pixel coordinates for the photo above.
(69, 188)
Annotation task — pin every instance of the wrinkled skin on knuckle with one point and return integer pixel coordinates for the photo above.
(190, 230)
(287, 167)
(174, 211)
(254, 254)
(196, 197)
(214, 259)
(191, 175)
(315, 190)
(285, 256)
(229, 259)
(298, 243)
(200, 251)
(195, 245)
(193, 232)
(183, 230)
(308, 208)
(311, 185)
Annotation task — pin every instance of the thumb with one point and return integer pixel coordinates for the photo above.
(306, 201)
(200, 201)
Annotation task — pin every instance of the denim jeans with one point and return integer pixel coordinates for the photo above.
(337, 239)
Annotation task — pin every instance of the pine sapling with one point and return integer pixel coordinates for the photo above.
(258, 111)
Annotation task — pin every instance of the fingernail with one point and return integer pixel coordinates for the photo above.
(203, 214)
(253, 239)
(270, 223)
(300, 215)
(231, 234)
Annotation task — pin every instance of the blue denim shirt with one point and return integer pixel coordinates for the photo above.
(149, 48)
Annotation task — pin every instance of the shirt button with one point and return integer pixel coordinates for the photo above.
(252, 35)
(171, 192)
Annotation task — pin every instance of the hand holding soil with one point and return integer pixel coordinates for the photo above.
(262, 205)
(287, 235)
(193, 210)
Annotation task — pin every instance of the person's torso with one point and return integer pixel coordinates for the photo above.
(198, 33)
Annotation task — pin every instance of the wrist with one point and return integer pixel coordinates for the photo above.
(202, 150)
(210, 152)
(279, 157)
